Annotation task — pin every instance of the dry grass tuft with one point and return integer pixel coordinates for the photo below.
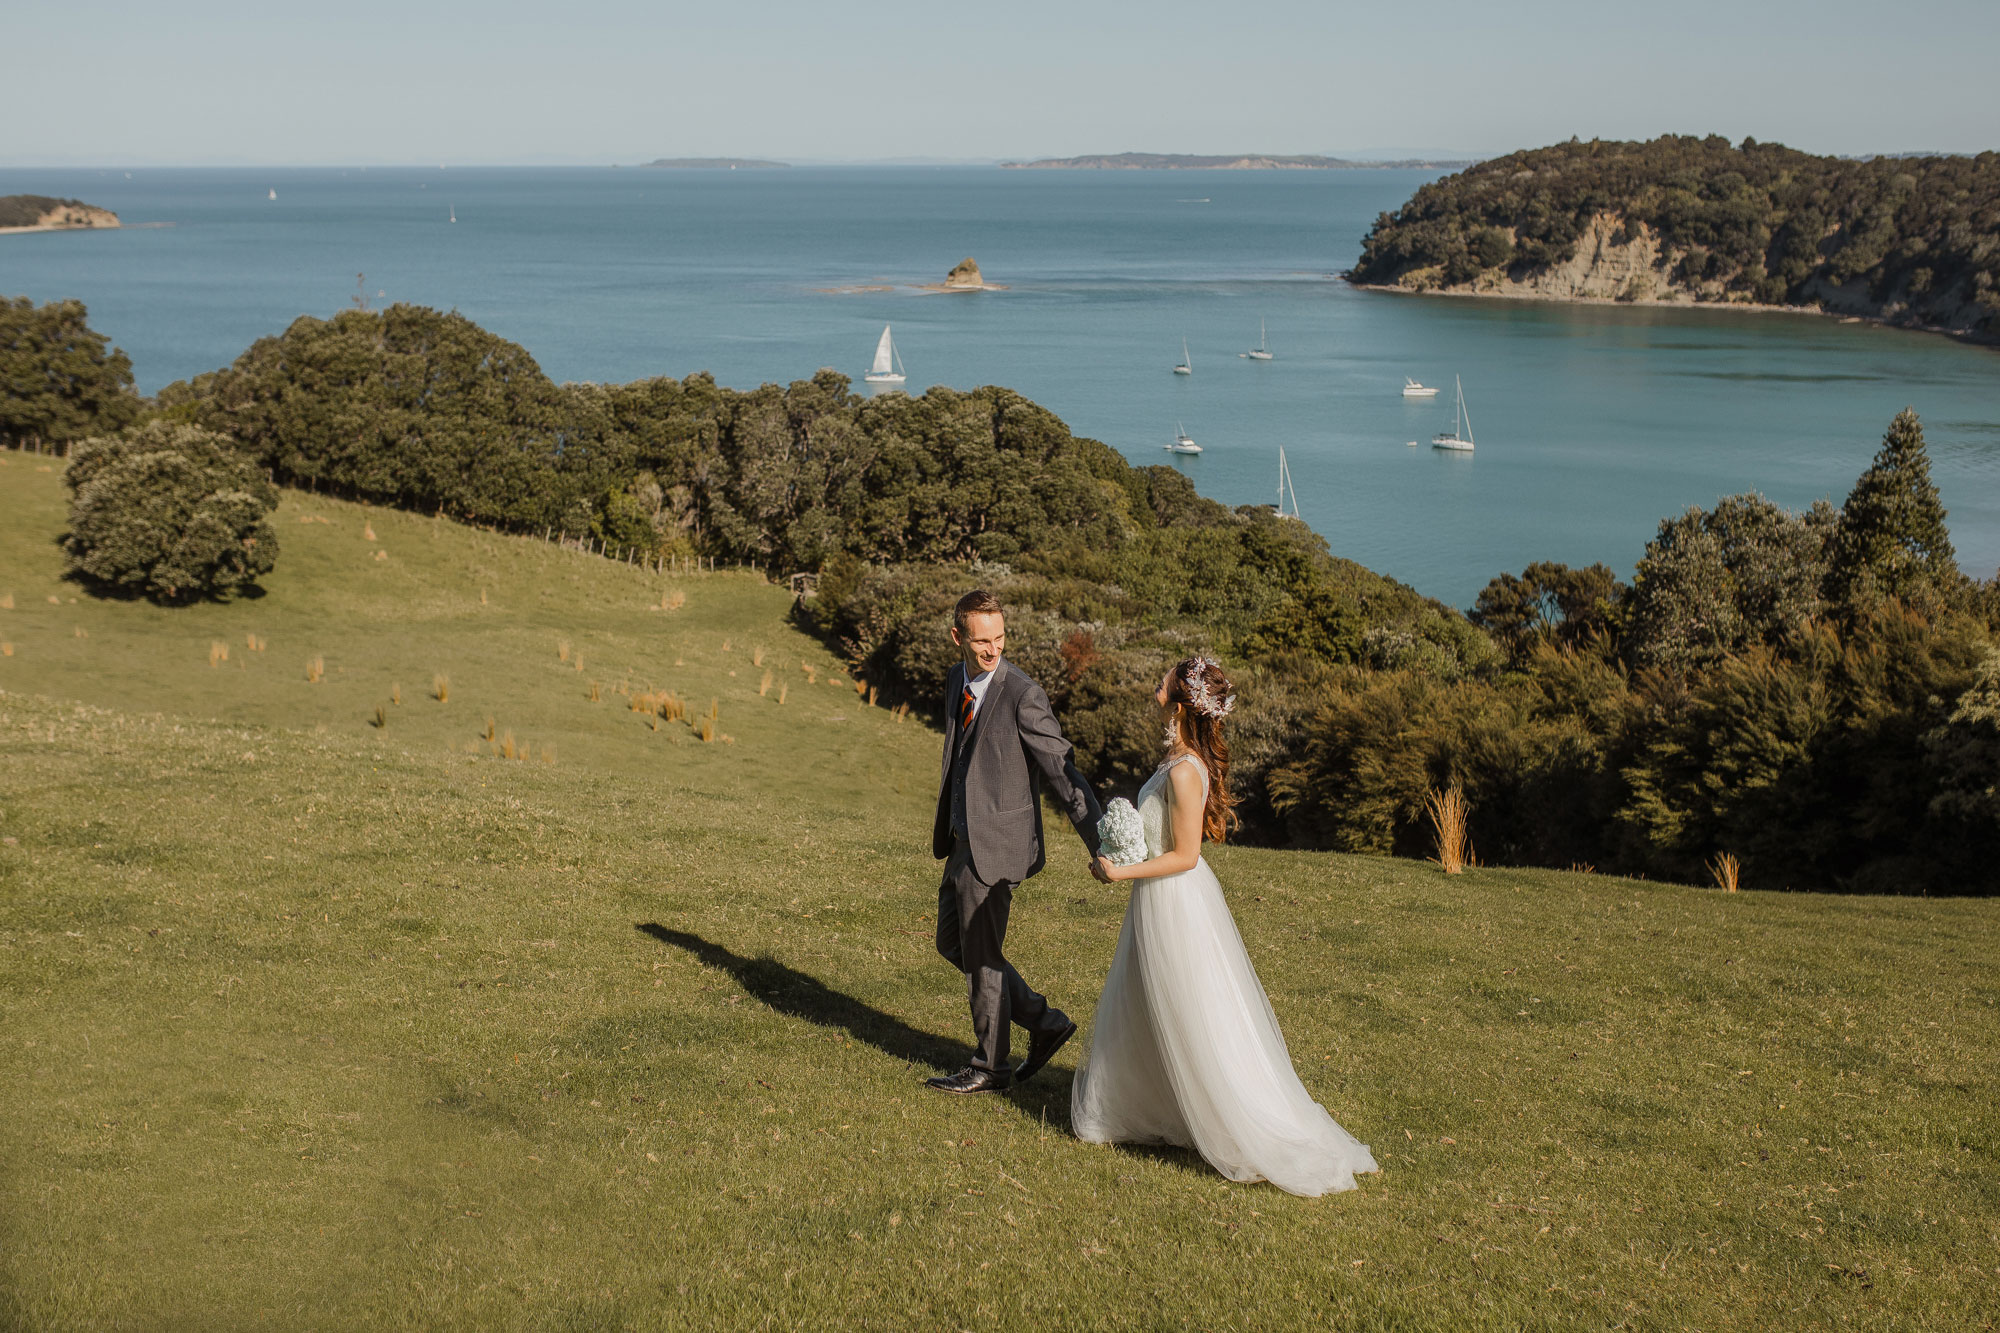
(6, 650)
(860, 688)
(757, 656)
(6, 601)
(1449, 811)
(663, 705)
(381, 718)
(578, 663)
(255, 643)
(54, 600)
(482, 596)
(1726, 868)
(316, 671)
(508, 749)
(781, 692)
(82, 633)
(441, 688)
(871, 696)
(562, 650)
(764, 685)
(596, 696)
(812, 675)
(381, 554)
(368, 531)
(218, 653)
(549, 754)
(396, 694)
(725, 645)
(489, 729)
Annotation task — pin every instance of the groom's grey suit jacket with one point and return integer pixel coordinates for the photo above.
(1016, 746)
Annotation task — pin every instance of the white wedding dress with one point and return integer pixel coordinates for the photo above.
(1186, 1050)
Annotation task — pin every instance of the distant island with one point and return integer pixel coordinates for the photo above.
(1224, 162)
(712, 163)
(39, 212)
(1911, 241)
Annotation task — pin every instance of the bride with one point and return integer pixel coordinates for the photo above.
(1185, 1049)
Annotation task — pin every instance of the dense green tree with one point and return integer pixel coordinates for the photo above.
(60, 380)
(1715, 581)
(1891, 540)
(1548, 602)
(171, 511)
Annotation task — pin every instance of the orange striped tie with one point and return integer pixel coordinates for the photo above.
(965, 711)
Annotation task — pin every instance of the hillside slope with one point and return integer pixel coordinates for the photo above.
(309, 1023)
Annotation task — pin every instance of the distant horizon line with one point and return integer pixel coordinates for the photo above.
(1364, 156)
(130, 164)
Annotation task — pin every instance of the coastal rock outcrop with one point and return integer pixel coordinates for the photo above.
(964, 276)
(1906, 240)
(39, 212)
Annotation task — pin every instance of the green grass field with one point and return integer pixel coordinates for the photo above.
(309, 1023)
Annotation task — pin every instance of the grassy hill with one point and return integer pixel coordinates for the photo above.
(312, 1023)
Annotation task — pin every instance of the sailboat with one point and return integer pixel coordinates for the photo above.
(1285, 487)
(1183, 443)
(454, 211)
(272, 195)
(1186, 367)
(888, 367)
(1459, 437)
(1262, 351)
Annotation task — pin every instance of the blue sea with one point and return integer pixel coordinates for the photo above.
(1593, 422)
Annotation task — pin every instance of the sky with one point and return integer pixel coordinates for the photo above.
(109, 82)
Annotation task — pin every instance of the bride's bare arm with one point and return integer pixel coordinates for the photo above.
(1187, 813)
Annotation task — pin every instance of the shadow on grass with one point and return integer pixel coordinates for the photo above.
(800, 994)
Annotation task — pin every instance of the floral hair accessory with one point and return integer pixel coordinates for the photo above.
(1200, 697)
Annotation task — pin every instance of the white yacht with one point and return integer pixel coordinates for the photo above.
(1412, 389)
(1459, 438)
(888, 367)
(1262, 351)
(1186, 367)
(1183, 443)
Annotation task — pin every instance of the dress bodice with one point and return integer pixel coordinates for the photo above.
(1156, 801)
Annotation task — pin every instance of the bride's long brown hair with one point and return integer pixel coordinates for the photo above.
(1199, 687)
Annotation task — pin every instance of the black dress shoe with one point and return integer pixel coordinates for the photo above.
(1041, 1049)
(971, 1079)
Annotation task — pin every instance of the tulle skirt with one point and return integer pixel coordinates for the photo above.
(1186, 1051)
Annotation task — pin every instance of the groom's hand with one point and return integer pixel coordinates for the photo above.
(1100, 870)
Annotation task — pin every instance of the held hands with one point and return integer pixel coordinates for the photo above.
(1104, 870)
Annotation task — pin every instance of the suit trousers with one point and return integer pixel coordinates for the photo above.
(971, 929)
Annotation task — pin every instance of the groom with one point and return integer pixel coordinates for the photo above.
(1001, 743)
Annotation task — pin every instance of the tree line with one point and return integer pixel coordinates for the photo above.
(1815, 693)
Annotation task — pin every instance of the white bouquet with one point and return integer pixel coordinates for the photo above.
(1121, 835)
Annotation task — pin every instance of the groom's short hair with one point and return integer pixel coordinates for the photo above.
(978, 602)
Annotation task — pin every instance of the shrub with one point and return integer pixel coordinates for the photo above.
(170, 511)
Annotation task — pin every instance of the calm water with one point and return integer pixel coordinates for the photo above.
(1592, 422)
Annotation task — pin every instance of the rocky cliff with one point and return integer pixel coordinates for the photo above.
(1682, 220)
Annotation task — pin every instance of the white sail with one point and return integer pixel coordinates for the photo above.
(885, 352)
